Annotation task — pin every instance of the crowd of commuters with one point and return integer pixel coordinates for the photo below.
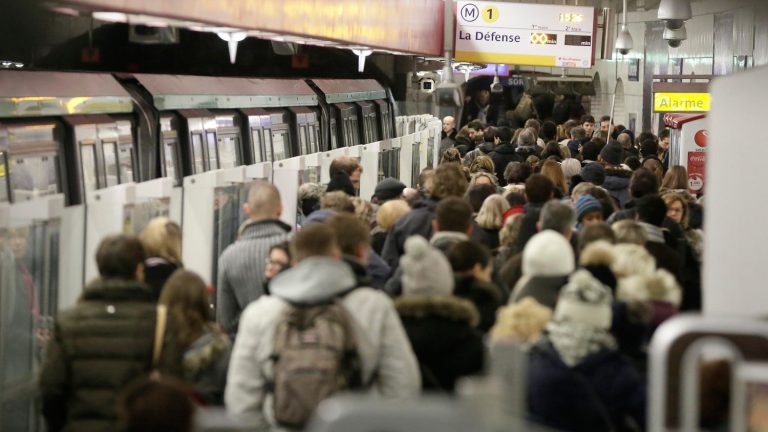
(559, 237)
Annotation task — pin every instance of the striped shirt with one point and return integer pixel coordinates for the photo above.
(241, 270)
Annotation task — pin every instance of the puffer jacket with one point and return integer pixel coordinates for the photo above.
(385, 353)
(617, 184)
(443, 335)
(102, 344)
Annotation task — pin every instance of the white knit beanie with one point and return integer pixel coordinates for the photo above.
(585, 300)
(425, 269)
(548, 253)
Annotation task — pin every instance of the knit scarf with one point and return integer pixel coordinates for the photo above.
(575, 341)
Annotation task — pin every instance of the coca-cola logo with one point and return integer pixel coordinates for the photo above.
(701, 138)
(697, 159)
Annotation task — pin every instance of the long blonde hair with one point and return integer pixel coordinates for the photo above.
(491, 212)
(552, 171)
(162, 238)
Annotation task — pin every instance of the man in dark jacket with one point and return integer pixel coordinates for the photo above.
(103, 343)
(651, 211)
(241, 265)
(616, 178)
(503, 153)
(448, 180)
(538, 190)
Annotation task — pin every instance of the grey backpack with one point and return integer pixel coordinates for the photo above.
(315, 355)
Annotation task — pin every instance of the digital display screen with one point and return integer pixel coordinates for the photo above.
(543, 39)
(578, 40)
(571, 17)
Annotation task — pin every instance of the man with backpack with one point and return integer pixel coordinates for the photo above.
(317, 334)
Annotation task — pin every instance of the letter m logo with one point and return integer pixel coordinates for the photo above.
(469, 12)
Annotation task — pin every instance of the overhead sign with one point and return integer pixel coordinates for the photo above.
(525, 34)
(681, 102)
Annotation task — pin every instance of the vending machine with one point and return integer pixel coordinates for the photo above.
(688, 146)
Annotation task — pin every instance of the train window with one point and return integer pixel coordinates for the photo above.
(280, 142)
(355, 132)
(315, 138)
(303, 146)
(258, 155)
(197, 153)
(3, 179)
(110, 163)
(170, 158)
(35, 175)
(88, 156)
(213, 154)
(125, 159)
(334, 138)
(228, 145)
(268, 155)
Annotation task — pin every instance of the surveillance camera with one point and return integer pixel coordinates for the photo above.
(427, 85)
(675, 38)
(674, 12)
(624, 41)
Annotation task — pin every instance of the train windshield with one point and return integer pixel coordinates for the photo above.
(170, 158)
(197, 153)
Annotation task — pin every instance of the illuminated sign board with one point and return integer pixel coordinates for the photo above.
(525, 34)
(681, 102)
(490, 70)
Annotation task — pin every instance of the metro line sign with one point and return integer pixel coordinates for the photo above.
(525, 34)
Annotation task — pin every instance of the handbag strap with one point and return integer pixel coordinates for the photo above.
(162, 316)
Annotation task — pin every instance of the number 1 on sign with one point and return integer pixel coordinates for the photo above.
(490, 14)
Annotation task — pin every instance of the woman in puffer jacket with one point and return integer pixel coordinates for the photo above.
(206, 356)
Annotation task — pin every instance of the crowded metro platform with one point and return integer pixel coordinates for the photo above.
(313, 250)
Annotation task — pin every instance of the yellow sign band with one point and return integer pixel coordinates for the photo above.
(681, 102)
(511, 59)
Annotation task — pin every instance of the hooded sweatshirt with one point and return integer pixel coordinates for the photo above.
(382, 344)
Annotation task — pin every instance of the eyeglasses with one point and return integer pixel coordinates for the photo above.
(276, 263)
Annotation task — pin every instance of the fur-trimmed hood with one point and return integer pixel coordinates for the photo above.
(618, 172)
(448, 307)
(659, 286)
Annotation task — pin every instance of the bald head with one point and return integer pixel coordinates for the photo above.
(449, 124)
(263, 202)
(625, 140)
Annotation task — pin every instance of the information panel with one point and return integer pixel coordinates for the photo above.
(525, 34)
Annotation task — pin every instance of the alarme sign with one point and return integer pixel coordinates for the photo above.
(525, 34)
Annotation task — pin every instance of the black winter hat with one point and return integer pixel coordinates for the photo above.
(594, 173)
(388, 189)
(612, 152)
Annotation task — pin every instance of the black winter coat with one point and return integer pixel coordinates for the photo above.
(486, 297)
(502, 155)
(101, 345)
(157, 271)
(602, 393)
(443, 336)
(417, 221)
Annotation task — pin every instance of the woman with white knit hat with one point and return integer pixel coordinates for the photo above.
(577, 380)
(442, 328)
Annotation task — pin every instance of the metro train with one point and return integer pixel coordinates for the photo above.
(79, 132)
